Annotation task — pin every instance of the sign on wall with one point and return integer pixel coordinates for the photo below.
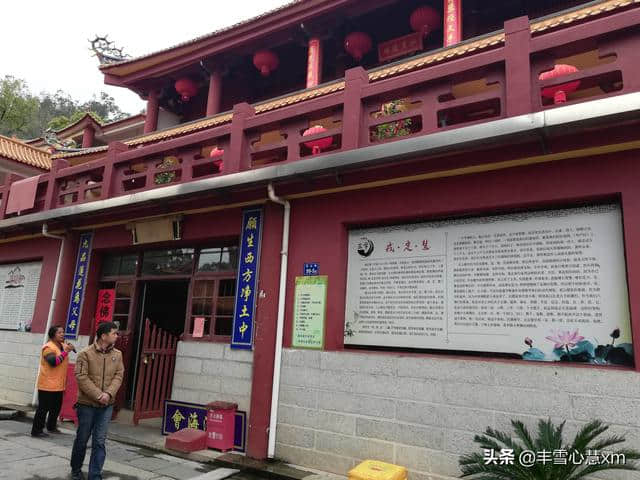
(18, 294)
(309, 312)
(79, 284)
(247, 282)
(547, 285)
(179, 415)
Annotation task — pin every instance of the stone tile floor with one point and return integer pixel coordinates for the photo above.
(23, 457)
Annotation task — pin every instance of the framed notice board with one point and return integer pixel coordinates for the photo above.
(309, 312)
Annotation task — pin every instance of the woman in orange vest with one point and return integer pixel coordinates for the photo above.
(52, 381)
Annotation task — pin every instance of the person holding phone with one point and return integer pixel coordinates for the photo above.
(52, 380)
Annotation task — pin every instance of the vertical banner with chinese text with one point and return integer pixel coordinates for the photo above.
(247, 282)
(79, 283)
(104, 308)
(452, 22)
(314, 63)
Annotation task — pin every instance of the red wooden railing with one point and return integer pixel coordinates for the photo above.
(498, 82)
(155, 372)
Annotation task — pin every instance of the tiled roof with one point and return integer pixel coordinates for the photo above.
(193, 41)
(21, 152)
(389, 71)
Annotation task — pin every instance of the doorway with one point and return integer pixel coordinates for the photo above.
(164, 304)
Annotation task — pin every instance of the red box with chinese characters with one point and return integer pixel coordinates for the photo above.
(220, 425)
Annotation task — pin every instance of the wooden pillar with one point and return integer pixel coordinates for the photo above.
(314, 62)
(237, 158)
(452, 22)
(215, 93)
(352, 119)
(151, 117)
(517, 52)
(265, 332)
(88, 135)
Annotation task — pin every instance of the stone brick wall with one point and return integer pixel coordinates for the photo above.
(19, 357)
(207, 371)
(337, 409)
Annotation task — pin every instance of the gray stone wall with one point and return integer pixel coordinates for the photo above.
(337, 409)
(207, 371)
(19, 357)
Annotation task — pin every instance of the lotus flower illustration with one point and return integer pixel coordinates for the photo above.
(565, 339)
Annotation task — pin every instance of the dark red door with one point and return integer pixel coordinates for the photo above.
(155, 371)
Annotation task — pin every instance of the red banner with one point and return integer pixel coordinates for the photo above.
(106, 302)
(452, 22)
(399, 47)
(314, 63)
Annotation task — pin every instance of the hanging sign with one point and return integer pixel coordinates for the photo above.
(452, 22)
(242, 336)
(104, 309)
(400, 47)
(309, 312)
(79, 283)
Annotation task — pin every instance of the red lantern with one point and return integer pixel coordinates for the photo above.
(186, 87)
(358, 44)
(266, 61)
(319, 144)
(217, 154)
(425, 20)
(559, 92)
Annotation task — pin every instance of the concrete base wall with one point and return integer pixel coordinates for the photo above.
(207, 371)
(337, 409)
(19, 358)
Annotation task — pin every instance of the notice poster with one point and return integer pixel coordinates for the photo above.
(18, 294)
(546, 285)
(309, 312)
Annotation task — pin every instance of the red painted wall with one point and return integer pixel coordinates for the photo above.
(319, 225)
(46, 250)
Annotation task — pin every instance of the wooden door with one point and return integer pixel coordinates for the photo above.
(155, 371)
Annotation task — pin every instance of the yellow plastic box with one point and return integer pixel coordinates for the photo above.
(375, 470)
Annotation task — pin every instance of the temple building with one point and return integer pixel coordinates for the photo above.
(377, 227)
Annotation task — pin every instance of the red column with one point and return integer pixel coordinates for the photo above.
(355, 79)
(215, 93)
(452, 22)
(265, 332)
(517, 51)
(237, 157)
(151, 118)
(314, 63)
(88, 134)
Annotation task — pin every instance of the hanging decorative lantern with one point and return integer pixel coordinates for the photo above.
(358, 44)
(216, 154)
(186, 87)
(266, 61)
(425, 20)
(319, 144)
(559, 92)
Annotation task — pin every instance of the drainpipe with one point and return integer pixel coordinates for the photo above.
(275, 389)
(54, 292)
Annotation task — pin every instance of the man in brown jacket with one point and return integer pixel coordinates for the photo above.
(99, 372)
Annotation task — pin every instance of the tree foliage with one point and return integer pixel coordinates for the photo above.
(27, 116)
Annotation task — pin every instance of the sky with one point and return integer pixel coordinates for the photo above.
(47, 43)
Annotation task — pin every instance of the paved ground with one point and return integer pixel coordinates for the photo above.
(25, 458)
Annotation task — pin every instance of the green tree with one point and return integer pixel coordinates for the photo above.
(28, 116)
(18, 108)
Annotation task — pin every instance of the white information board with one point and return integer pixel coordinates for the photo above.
(18, 291)
(505, 283)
